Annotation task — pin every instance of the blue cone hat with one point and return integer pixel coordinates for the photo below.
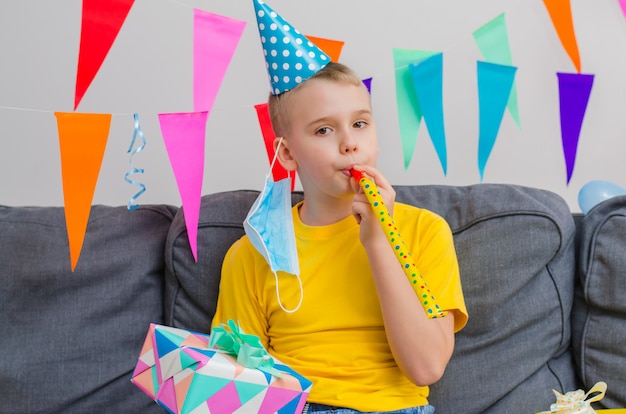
(290, 57)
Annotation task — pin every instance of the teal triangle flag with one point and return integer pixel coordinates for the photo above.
(427, 77)
(493, 41)
(494, 87)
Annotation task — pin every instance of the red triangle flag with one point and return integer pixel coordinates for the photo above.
(278, 172)
(82, 141)
(101, 22)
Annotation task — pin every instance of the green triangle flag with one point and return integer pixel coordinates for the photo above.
(493, 41)
(409, 111)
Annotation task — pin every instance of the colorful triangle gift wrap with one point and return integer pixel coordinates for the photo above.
(180, 372)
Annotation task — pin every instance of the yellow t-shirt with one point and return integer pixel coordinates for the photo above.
(337, 338)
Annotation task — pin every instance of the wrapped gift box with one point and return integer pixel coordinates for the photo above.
(180, 371)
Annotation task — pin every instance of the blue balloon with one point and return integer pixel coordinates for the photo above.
(595, 192)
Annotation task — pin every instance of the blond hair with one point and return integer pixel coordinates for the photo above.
(279, 105)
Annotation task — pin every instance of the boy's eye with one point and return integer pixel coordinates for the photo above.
(360, 124)
(322, 131)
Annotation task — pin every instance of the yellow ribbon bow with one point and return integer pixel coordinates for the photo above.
(577, 402)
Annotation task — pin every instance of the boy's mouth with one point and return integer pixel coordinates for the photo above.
(348, 171)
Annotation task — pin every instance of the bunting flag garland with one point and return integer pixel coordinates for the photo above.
(561, 15)
(82, 141)
(329, 46)
(409, 111)
(184, 137)
(267, 130)
(133, 170)
(493, 41)
(418, 76)
(101, 23)
(495, 83)
(215, 39)
(427, 76)
(574, 92)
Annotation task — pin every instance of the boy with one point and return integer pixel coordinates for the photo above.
(360, 334)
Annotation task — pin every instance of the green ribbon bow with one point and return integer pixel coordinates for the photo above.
(247, 348)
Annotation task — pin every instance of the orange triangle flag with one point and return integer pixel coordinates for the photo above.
(331, 47)
(82, 141)
(561, 14)
(101, 22)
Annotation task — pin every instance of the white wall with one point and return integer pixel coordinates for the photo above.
(149, 71)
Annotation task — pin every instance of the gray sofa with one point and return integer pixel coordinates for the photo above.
(545, 290)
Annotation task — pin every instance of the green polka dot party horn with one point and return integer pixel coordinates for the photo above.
(427, 300)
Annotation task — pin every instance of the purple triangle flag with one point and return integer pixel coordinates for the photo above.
(184, 137)
(368, 84)
(574, 92)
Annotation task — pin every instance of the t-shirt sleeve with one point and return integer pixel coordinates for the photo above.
(238, 298)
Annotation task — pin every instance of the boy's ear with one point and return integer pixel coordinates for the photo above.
(284, 154)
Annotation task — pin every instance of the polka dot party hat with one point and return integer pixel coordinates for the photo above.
(290, 57)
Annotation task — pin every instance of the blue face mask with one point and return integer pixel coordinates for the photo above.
(269, 226)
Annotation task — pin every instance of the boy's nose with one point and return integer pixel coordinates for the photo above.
(348, 144)
(349, 148)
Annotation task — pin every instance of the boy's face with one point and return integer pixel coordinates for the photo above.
(331, 129)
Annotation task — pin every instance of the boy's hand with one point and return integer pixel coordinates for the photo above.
(371, 231)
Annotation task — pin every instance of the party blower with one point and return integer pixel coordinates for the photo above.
(397, 243)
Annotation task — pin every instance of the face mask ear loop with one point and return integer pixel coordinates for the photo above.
(278, 295)
(280, 140)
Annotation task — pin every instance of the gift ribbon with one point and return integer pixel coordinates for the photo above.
(427, 300)
(577, 402)
(247, 348)
(133, 170)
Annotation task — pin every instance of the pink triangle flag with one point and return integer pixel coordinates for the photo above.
(215, 39)
(184, 137)
(101, 22)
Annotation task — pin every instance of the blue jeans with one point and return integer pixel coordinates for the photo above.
(327, 409)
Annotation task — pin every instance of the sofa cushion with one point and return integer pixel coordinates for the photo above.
(192, 287)
(516, 256)
(600, 309)
(70, 340)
